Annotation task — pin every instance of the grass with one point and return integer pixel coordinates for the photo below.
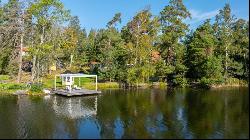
(12, 86)
(9, 88)
(4, 77)
(101, 85)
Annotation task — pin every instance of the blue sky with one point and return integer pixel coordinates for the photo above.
(96, 13)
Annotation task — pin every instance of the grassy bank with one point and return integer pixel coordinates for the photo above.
(8, 85)
(231, 82)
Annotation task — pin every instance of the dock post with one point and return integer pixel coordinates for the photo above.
(96, 83)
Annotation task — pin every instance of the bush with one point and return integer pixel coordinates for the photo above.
(37, 88)
(10, 86)
(180, 81)
(16, 86)
(205, 82)
(235, 81)
(4, 77)
(208, 82)
(162, 84)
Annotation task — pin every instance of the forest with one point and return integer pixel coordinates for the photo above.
(37, 35)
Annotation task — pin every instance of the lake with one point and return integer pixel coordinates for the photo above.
(141, 113)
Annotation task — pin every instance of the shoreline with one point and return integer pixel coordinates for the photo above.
(223, 86)
(115, 85)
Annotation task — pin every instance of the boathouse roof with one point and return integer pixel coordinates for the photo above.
(76, 75)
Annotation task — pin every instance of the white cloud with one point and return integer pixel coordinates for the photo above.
(198, 16)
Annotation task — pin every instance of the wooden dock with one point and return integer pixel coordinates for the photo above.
(76, 92)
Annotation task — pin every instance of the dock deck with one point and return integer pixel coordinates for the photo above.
(76, 92)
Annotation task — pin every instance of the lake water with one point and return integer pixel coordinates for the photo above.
(144, 113)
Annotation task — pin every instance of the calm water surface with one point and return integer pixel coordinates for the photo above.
(145, 113)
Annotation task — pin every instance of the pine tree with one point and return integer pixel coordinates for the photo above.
(173, 30)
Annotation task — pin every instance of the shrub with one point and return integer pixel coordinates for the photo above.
(4, 77)
(180, 81)
(10, 86)
(16, 86)
(37, 88)
(208, 82)
(235, 81)
(205, 82)
(162, 84)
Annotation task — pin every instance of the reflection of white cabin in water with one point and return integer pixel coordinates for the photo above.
(74, 107)
(72, 88)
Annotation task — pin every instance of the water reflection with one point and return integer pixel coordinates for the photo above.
(148, 113)
(74, 108)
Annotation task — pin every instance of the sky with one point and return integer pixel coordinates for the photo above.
(96, 13)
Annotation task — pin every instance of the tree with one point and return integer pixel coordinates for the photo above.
(116, 18)
(45, 13)
(10, 36)
(111, 48)
(91, 49)
(240, 50)
(173, 30)
(139, 35)
(200, 58)
(223, 26)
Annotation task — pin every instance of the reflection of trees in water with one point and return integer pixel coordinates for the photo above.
(139, 112)
(204, 113)
(33, 118)
(174, 114)
(129, 114)
(236, 114)
(8, 117)
(219, 113)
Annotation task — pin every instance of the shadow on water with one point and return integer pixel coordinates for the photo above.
(123, 113)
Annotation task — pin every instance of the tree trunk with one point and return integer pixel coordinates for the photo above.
(33, 70)
(20, 60)
(226, 63)
(71, 60)
(38, 69)
(38, 61)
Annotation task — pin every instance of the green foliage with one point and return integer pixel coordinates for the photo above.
(12, 86)
(141, 74)
(4, 77)
(200, 46)
(162, 70)
(235, 81)
(204, 82)
(179, 80)
(162, 84)
(12, 68)
(4, 60)
(173, 30)
(36, 88)
(209, 55)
